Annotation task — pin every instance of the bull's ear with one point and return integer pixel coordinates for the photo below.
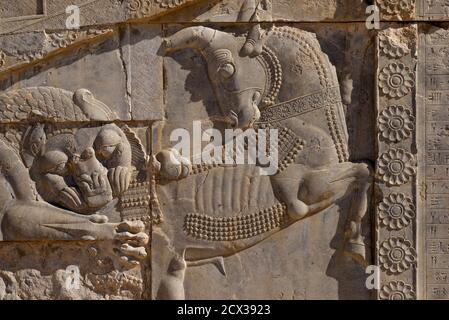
(33, 143)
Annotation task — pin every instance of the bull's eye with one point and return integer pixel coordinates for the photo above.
(226, 70)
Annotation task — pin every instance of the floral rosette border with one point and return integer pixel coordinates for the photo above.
(396, 166)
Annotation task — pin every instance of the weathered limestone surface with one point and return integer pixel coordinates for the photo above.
(98, 201)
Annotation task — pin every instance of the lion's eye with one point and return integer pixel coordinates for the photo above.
(226, 70)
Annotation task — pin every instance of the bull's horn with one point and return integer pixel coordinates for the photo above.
(199, 38)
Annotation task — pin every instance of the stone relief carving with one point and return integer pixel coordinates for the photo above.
(393, 47)
(314, 177)
(397, 290)
(396, 123)
(20, 52)
(400, 9)
(145, 8)
(397, 165)
(58, 180)
(396, 211)
(396, 80)
(397, 255)
(88, 177)
(433, 65)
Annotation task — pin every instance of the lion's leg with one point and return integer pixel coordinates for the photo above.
(33, 220)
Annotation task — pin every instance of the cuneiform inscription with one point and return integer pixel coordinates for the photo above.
(439, 261)
(438, 292)
(436, 166)
(437, 82)
(437, 201)
(437, 113)
(438, 246)
(438, 216)
(436, 231)
(438, 276)
(437, 172)
(438, 187)
(437, 158)
(436, 8)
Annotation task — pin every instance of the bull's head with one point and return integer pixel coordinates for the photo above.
(238, 80)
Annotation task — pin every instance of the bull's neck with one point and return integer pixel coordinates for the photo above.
(273, 76)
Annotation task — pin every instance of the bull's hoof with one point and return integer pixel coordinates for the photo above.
(297, 210)
(356, 250)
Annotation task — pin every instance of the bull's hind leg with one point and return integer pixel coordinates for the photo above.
(305, 191)
(355, 246)
(358, 178)
(309, 191)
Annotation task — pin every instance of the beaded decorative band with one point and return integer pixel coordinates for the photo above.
(210, 228)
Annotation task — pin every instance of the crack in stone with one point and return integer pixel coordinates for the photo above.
(126, 65)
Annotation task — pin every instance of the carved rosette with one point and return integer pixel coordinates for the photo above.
(396, 211)
(396, 168)
(396, 123)
(397, 290)
(396, 80)
(397, 255)
(397, 9)
(392, 47)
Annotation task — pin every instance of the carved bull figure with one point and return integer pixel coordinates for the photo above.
(282, 80)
